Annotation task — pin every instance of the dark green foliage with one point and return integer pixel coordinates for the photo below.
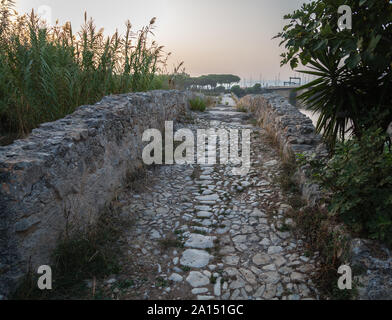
(360, 177)
(353, 89)
(241, 92)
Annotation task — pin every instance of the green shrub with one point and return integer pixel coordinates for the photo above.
(198, 104)
(359, 175)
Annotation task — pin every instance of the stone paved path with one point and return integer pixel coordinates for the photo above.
(202, 233)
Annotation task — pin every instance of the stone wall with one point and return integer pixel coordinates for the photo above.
(293, 131)
(66, 171)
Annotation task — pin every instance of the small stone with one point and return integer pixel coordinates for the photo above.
(200, 241)
(304, 259)
(197, 291)
(231, 260)
(204, 214)
(279, 261)
(237, 284)
(231, 272)
(155, 235)
(265, 242)
(235, 294)
(207, 273)
(270, 267)
(111, 281)
(260, 259)
(195, 258)
(271, 277)
(217, 287)
(257, 213)
(239, 239)
(203, 208)
(295, 276)
(260, 291)
(162, 210)
(176, 277)
(271, 163)
(249, 276)
(275, 249)
(226, 250)
(197, 279)
(270, 291)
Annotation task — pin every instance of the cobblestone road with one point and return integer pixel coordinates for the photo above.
(203, 233)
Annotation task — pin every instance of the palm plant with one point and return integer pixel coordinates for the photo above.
(353, 68)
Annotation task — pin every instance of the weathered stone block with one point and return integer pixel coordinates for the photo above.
(69, 170)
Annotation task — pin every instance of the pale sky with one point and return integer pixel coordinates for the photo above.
(210, 36)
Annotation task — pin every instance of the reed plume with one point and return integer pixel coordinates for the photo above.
(48, 71)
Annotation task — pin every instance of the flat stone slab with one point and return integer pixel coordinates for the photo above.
(199, 290)
(203, 208)
(210, 197)
(260, 259)
(196, 279)
(204, 214)
(275, 249)
(195, 258)
(199, 241)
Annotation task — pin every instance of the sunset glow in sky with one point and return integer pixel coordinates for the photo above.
(210, 36)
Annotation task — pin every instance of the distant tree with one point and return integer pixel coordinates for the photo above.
(220, 89)
(257, 88)
(237, 90)
(211, 81)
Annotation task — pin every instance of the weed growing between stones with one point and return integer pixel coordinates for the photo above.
(286, 178)
(88, 253)
(213, 279)
(322, 235)
(175, 240)
(171, 243)
(198, 104)
(241, 108)
(185, 268)
(137, 180)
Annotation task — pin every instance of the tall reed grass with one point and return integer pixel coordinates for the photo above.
(46, 72)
